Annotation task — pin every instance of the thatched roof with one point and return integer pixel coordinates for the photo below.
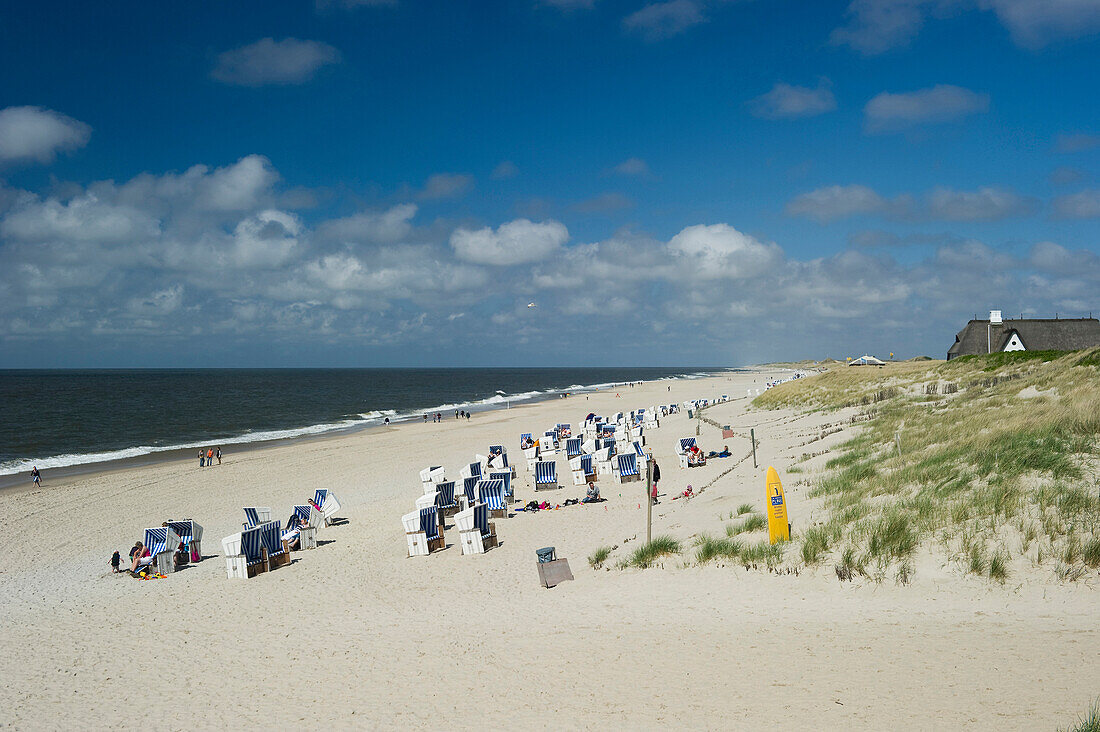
(1036, 335)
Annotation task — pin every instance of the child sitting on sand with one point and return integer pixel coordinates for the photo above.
(686, 494)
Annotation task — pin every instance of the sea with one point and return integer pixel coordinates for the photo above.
(65, 418)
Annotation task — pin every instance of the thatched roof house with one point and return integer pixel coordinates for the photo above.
(996, 335)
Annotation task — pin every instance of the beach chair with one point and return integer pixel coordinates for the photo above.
(445, 499)
(546, 475)
(244, 554)
(628, 468)
(686, 443)
(430, 501)
(477, 533)
(253, 517)
(190, 533)
(271, 535)
(473, 470)
(604, 465)
(430, 476)
(469, 491)
(564, 431)
(583, 469)
(307, 535)
(422, 531)
(491, 493)
(505, 476)
(572, 447)
(524, 438)
(328, 504)
(162, 543)
(640, 454)
(546, 445)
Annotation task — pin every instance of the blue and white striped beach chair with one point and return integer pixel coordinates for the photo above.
(473, 470)
(328, 503)
(506, 476)
(433, 532)
(244, 556)
(686, 443)
(469, 487)
(162, 543)
(271, 534)
(628, 468)
(573, 447)
(485, 531)
(190, 533)
(253, 517)
(491, 493)
(445, 499)
(546, 474)
(548, 444)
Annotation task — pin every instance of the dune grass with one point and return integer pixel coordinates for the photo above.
(979, 465)
(647, 554)
(598, 557)
(1090, 722)
(709, 548)
(744, 508)
(751, 522)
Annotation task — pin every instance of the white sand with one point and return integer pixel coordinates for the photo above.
(355, 634)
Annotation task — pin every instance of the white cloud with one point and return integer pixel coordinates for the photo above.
(504, 169)
(888, 111)
(1077, 142)
(836, 202)
(792, 102)
(267, 61)
(720, 251)
(604, 203)
(1081, 205)
(984, 204)
(1035, 23)
(516, 242)
(238, 187)
(34, 133)
(265, 241)
(82, 219)
(635, 167)
(876, 26)
(383, 227)
(446, 185)
(664, 19)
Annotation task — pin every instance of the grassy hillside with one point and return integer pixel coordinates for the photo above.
(992, 459)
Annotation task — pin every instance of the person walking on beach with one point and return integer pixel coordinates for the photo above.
(36, 477)
(656, 475)
(210, 457)
(202, 459)
(218, 455)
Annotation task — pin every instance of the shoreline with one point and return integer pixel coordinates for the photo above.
(11, 482)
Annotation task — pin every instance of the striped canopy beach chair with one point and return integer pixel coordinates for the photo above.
(506, 477)
(253, 517)
(162, 543)
(445, 499)
(583, 469)
(546, 474)
(433, 532)
(190, 533)
(491, 493)
(430, 476)
(628, 468)
(271, 535)
(328, 503)
(469, 488)
(486, 530)
(686, 443)
(473, 470)
(573, 447)
(244, 555)
(476, 532)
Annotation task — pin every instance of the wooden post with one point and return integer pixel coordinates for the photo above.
(649, 500)
(752, 436)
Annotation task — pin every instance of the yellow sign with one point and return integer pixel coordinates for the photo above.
(778, 527)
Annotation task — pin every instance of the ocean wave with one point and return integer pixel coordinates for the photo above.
(364, 419)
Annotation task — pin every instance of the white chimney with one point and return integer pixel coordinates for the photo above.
(995, 317)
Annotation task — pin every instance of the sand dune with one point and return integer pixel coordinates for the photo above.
(356, 634)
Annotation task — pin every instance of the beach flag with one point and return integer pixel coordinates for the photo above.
(779, 529)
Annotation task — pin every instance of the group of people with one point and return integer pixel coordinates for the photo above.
(292, 535)
(206, 457)
(438, 417)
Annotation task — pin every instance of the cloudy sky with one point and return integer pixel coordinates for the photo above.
(681, 182)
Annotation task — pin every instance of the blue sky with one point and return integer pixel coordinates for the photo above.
(674, 182)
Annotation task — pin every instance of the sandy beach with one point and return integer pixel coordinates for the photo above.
(355, 634)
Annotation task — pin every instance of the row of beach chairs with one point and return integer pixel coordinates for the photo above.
(262, 545)
(164, 541)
